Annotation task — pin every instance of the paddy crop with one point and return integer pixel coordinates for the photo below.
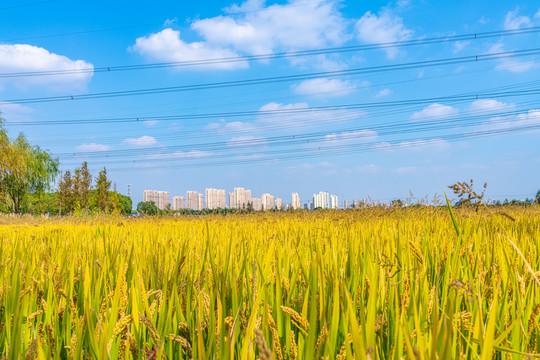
(378, 284)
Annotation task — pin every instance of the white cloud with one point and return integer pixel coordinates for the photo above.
(284, 27)
(192, 154)
(489, 105)
(274, 116)
(460, 45)
(537, 15)
(419, 145)
(437, 144)
(27, 58)
(384, 28)
(434, 111)
(167, 45)
(250, 156)
(90, 147)
(144, 140)
(383, 93)
(516, 66)
(247, 141)
(150, 123)
(511, 65)
(531, 117)
(360, 136)
(324, 87)
(15, 112)
(277, 28)
(513, 21)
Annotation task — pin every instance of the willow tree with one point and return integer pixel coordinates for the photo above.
(24, 170)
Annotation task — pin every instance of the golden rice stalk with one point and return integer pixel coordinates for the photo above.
(182, 341)
(322, 338)
(264, 352)
(33, 315)
(293, 351)
(184, 329)
(532, 319)
(151, 329)
(32, 350)
(133, 347)
(416, 251)
(276, 344)
(301, 322)
(50, 338)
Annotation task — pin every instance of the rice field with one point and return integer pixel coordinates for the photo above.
(414, 283)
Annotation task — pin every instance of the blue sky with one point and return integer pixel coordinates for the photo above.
(293, 135)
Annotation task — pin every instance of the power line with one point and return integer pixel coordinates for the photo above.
(279, 79)
(396, 128)
(344, 149)
(293, 111)
(82, 32)
(269, 56)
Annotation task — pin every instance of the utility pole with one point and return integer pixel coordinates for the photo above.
(129, 190)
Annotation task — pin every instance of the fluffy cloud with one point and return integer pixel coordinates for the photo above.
(27, 58)
(167, 45)
(284, 27)
(15, 112)
(434, 111)
(513, 21)
(273, 116)
(324, 87)
(144, 140)
(192, 154)
(511, 65)
(383, 93)
(360, 136)
(529, 118)
(382, 28)
(278, 28)
(248, 140)
(431, 145)
(91, 147)
(489, 105)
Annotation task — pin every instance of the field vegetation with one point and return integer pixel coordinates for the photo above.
(416, 282)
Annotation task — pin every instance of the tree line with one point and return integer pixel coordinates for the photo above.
(27, 178)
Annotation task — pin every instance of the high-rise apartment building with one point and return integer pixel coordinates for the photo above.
(232, 201)
(241, 197)
(256, 203)
(296, 204)
(267, 201)
(195, 200)
(178, 202)
(321, 200)
(160, 198)
(346, 204)
(215, 199)
(278, 203)
(334, 204)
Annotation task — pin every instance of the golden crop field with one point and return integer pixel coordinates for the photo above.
(364, 284)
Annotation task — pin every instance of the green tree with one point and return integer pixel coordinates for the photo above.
(24, 170)
(124, 204)
(66, 193)
(537, 197)
(82, 184)
(103, 185)
(147, 207)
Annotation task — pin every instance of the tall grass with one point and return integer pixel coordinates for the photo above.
(372, 284)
